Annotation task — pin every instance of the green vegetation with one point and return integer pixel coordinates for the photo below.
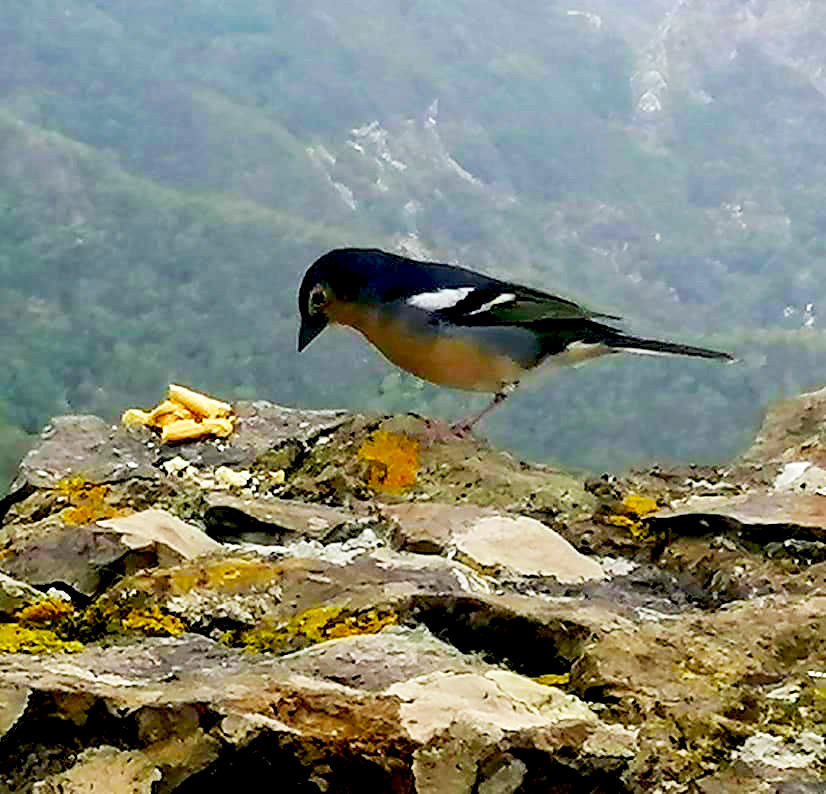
(166, 175)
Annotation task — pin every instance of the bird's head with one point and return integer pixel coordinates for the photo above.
(331, 281)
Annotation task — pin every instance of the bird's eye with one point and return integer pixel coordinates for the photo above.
(318, 298)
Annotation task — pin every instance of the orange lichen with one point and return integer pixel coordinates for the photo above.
(87, 502)
(50, 610)
(392, 461)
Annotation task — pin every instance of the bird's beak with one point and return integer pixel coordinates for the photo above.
(310, 329)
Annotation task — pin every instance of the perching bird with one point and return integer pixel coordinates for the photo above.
(455, 327)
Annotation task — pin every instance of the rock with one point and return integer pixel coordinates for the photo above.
(459, 471)
(288, 604)
(461, 717)
(159, 529)
(799, 476)
(793, 430)
(507, 777)
(489, 541)
(428, 528)
(375, 661)
(755, 511)
(15, 595)
(268, 519)
(496, 702)
(714, 674)
(421, 629)
(773, 757)
(46, 553)
(263, 425)
(525, 547)
(124, 772)
(89, 448)
(154, 688)
(13, 702)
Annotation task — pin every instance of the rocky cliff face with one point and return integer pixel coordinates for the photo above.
(348, 605)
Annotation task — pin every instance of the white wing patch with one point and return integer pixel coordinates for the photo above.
(639, 352)
(505, 297)
(440, 299)
(578, 353)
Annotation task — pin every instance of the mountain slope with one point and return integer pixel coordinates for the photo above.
(167, 174)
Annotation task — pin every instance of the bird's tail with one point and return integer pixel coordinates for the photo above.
(654, 347)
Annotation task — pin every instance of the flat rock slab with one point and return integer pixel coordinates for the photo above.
(193, 698)
(260, 426)
(87, 447)
(497, 701)
(264, 425)
(375, 661)
(83, 558)
(159, 529)
(97, 451)
(490, 541)
(47, 553)
(803, 510)
(245, 590)
(430, 528)
(525, 547)
(267, 518)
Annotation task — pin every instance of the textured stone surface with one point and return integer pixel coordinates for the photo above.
(158, 528)
(525, 547)
(441, 637)
(120, 772)
(87, 447)
(271, 519)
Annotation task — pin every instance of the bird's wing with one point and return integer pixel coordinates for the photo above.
(509, 304)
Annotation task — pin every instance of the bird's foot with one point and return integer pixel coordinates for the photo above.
(437, 431)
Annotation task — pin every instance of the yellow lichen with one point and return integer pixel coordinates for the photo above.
(87, 502)
(551, 679)
(392, 461)
(317, 625)
(635, 508)
(636, 529)
(639, 505)
(224, 576)
(50, 610)
(15, 638)
(154, 622)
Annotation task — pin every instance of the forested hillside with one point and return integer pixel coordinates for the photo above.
(167, 172)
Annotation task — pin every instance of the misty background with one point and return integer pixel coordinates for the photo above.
(169, 170)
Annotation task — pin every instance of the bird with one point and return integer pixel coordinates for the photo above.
(456, 327)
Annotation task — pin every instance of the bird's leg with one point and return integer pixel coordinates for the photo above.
(463, 427)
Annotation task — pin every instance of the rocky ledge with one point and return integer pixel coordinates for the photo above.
(341, 604)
